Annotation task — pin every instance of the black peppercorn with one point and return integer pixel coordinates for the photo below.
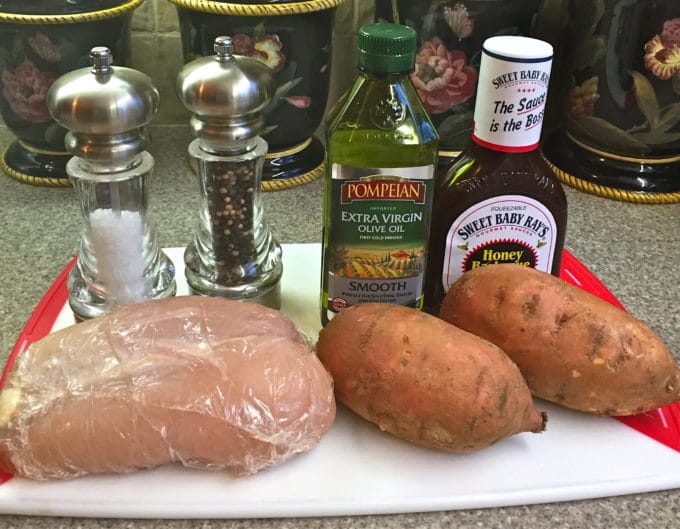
(229, 192)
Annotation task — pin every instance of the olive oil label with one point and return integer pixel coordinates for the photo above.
(377, 236)
(511, 98)
(504, 229)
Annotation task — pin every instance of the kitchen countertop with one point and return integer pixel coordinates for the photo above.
(634, 249)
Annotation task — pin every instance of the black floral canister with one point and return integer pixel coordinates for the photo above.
(618, 90)
(294, 40)
(39, 42)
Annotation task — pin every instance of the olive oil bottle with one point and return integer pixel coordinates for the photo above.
(381, 155)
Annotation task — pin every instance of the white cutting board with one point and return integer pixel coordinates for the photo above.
(356, 469)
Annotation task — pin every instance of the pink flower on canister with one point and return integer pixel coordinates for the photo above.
(25, 89)
(299, 101)
(443, 78)
(266, 49)
(670, 34)
(662, 53)
(44, 47)
(243, 45)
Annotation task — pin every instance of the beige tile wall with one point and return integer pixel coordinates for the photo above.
(157, 50)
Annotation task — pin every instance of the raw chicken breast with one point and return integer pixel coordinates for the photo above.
(206, 382)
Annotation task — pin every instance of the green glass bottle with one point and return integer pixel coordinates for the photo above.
(381, 154)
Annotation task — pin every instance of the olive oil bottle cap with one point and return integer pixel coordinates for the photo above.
(386, 48)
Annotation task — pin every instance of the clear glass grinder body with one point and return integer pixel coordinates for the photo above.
(106, 109)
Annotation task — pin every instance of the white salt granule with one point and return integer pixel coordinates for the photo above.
(117, 242)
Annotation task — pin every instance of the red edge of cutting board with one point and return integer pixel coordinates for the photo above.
(39, 324)
(663, 424)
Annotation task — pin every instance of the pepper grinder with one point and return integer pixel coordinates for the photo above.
(105, 110)
(233, 253)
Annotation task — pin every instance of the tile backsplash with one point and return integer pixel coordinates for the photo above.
(157, 50)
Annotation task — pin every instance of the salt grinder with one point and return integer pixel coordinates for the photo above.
(233, 253)
(105, 110)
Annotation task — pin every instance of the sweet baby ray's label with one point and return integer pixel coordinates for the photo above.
(512, 94)
(505, 229)
(378, 233)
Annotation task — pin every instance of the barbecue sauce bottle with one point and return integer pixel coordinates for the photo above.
(381, 154)
(499, 201)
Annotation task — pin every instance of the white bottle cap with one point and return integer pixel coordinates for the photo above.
(511, 93)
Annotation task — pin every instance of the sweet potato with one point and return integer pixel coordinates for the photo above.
(572, 347)
(424, 380)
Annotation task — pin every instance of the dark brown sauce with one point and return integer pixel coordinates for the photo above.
(490, 173)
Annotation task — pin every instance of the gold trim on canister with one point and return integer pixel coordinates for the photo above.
(449, 154)
(623, 195)
(288, 152)
(249, 10)
(33, 180)
(295, 181)
(605, 154)
(73, 18)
